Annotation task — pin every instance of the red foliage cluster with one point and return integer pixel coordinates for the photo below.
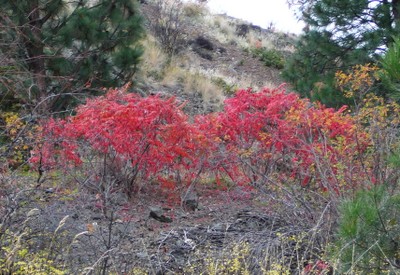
(273, 133)
(150, 136)
(262, 135)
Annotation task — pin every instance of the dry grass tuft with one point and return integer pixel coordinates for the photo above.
(195, 10)
(153, 58)
(196, 82)
(221, 28)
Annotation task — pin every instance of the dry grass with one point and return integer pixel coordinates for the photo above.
(224, 30)
(221, 28)
(197, 82)
(178, 71)
(195, 10)
(153, 58)
(183, 73)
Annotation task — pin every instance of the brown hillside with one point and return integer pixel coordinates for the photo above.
(214, 54)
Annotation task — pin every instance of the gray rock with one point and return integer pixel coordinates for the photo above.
(158, 214)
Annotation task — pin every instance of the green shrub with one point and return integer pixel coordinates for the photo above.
(228, 88)
(271, 58)
(369, 233)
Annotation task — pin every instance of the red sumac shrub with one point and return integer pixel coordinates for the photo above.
(142, 137)
(267, 138)
(272, 137)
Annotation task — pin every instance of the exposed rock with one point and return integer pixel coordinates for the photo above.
(242, 30)
(204, 43)
(256, 28)
(203, 53)
(158, 214)
(203, 47)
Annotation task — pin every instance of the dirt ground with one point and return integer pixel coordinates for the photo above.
(121, 236)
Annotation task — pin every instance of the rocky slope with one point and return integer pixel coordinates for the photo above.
(215, 55)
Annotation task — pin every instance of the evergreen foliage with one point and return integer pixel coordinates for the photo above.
(391, 70)
(339, 35)
(57, 50)
(369, 232)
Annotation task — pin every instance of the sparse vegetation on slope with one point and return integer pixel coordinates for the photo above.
(206, 164)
